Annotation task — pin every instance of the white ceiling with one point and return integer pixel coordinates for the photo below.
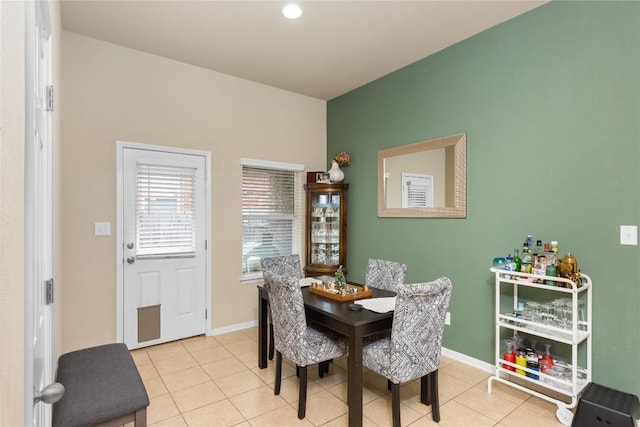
(336, 46)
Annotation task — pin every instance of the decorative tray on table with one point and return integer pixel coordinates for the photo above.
(351, 293)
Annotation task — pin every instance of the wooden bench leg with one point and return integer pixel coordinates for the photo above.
(141, 418)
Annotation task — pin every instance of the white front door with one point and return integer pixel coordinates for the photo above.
(164, 246)
(40, 391)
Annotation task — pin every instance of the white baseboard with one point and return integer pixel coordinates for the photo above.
(232, 328)
(451, 354)
(468, 360)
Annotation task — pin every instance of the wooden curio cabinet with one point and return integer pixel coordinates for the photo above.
(326, 228)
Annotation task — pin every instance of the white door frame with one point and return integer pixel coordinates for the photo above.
(120, 147)
(38, 231)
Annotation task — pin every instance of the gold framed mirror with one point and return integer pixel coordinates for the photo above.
(425, 179)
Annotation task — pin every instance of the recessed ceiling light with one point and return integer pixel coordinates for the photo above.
(292, 11)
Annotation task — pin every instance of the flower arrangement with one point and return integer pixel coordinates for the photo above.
(340, 282)
(342, 158)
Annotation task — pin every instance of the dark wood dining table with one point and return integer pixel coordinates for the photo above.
(336, 315)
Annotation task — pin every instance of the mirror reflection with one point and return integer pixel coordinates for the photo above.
(424, 179)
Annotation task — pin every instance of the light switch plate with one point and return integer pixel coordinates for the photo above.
(629, 235)
(102, 229)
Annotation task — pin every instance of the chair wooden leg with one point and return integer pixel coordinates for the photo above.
(425, 389)
(271, 344)
(276, 387)
(435, 402)
(389, 384)
(395, 404)
(323, 368)
(429, 393)
(302, 394)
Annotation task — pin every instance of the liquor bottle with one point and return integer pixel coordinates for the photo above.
(509, 265)
(539, 261)
(525, 255)
(550, 256)
(516, 260)
(526, 259)
(538, 250)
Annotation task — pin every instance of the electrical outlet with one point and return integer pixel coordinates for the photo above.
(447, 319)
(629, 235)
(102, 229)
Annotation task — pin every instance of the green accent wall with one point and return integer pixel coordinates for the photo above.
(550, 102)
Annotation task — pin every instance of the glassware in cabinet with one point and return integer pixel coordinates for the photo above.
(326, 239)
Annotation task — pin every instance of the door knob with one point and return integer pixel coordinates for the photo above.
(50, 394)
(131, 260)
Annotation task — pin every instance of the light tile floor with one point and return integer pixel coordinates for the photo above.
(215, 381)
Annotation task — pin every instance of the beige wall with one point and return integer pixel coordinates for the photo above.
(12, 132)
(113, 93)
(11, 212)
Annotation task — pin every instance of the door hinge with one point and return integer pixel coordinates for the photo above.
(49, 106)
(205, 314)
(48, 291)
(206, 245)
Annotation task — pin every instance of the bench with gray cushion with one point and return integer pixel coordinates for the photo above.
(102, 387)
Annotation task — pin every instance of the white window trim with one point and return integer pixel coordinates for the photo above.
(271, 165)
(251, 278)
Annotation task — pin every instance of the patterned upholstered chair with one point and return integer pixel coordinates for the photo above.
(294, 339)
(385, 274)
(288, 265)
(413, 350)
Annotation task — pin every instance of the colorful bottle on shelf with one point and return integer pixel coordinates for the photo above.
(509, 356)
(521, 360)
(546, 362)
(526, 258)
(539, 249)
(533, 364)
(539, 261)
(516, 260)
(551, 257)
(509, 265)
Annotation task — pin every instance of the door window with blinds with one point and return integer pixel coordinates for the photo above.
(417, 191)
(165, 211)
(271, 214)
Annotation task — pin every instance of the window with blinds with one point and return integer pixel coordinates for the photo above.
(165, 211)
(417, 191)
(271, 214)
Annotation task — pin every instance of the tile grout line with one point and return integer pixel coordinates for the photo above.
(241, 358)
